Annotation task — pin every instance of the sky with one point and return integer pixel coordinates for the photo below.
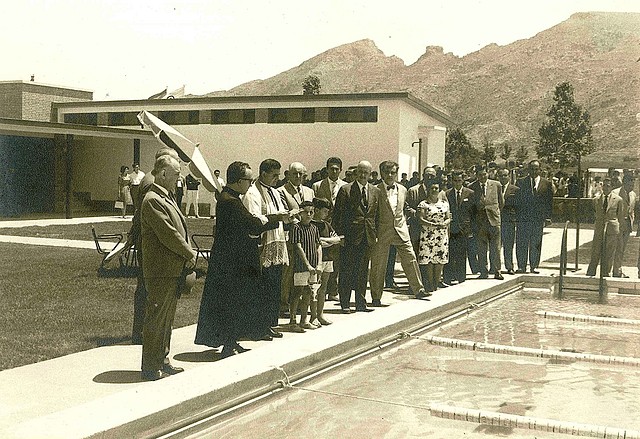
(132, 49)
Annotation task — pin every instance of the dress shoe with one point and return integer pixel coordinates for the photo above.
(153, 375)
(520, 271)
(483, 276)
(275, 334)
(498, 276)
(345, 311)
(378, 304)
(391, 285)
(510, 271)
(333, 298)
(170, 369)
(364, 310)
(265, 337)
(422, 294)
(593, 274)
(534, 271)
(443, 285)
(621, 275)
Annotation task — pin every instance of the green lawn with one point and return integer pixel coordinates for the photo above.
(83, 231)
(54, 303)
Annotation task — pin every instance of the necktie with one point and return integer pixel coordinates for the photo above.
(300, 194)
(533, 185)
(482, 188)
(458, 197)
(606, 203)
(364, 197)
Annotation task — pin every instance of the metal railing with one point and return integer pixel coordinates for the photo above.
(563, 260)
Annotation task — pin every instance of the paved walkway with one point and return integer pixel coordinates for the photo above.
(99, 391)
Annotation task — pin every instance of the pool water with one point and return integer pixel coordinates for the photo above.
(387, 395)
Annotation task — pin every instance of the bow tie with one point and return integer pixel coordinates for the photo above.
(389, 188)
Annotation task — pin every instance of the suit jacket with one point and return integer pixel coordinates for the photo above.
(510, 209)
(534, 204)
(614, 214)
(322, 189)
(491, 203)
(460, 212)
(392, 222)
(291, 196)
(165, 242)
(351, 219)
(629, 209)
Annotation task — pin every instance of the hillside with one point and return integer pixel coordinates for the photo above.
(501, 93)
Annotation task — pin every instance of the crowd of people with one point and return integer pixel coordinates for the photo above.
(283, 247)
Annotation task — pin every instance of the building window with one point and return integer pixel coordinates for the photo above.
(353, 114)
(122, 119)
(81, 118)
(224, 117)
(292, 115)
(191, 117)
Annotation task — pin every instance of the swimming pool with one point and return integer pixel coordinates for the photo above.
(410, 390)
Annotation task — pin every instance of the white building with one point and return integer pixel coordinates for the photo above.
(305, 128)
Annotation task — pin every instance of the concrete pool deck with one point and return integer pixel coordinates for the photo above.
(99, 392)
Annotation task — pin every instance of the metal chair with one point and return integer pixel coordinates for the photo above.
(117, 237)
(202, 243)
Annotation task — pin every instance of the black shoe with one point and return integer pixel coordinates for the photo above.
(443, 285)
(378, 304)
(153, 375)
(422, 294)
(273, 333)
(621, 275)
(484, 276)
(265, 337)
(520, 271)
(534, 271)
(333, 298)
(345, 311)
(510, 271)
(498, 276)
(171, 370)
(364, 310)
(391, 285)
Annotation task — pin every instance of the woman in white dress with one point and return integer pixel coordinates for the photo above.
(435, 217)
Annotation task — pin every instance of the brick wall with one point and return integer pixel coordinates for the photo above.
(11, 101)
(31, 101)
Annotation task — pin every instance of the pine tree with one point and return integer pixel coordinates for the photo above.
(566, 134)
(458, 152)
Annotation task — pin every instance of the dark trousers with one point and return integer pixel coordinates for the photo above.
(529, 243)
(161, 309)
(472, 253)
(508, 233)
(139, 300)
(354, 274)
(391, 267)
(456, 268)
(272, 282)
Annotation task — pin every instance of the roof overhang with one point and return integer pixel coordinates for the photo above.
(407, 97)
(26, 128)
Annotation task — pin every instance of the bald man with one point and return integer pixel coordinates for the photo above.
(356, 217)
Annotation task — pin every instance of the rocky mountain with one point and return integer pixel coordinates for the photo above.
(501, 93)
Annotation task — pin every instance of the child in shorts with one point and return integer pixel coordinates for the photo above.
(328, 239)
(305, 238)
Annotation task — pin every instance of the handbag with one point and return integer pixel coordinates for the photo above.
(119, 205)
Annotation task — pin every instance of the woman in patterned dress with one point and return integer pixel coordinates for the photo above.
(435, 216)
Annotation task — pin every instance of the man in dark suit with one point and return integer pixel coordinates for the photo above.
(393, 232)
(487, 202)
(460, 199)
(508, 218)
(328, 188)
(534, 206)
(356, 218)
(166, 253)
